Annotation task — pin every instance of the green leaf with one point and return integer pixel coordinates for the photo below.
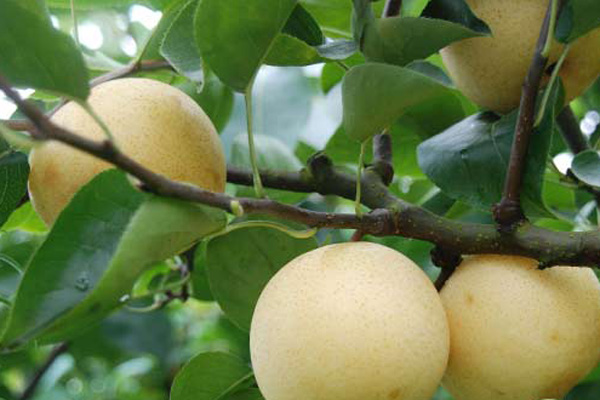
(290, 51)
(469, 160)
(14, 170)
(104, 4)
(36, 6)
(577, 17)
(238, 277)
(332, 15)
(235, 36)
(400, 40)
(375, 95)
(304, 27)
(26, 219)
(200, 285)
(586, 167)
(248, 394)
(271, 154)
(211, 376)
(94, 253)
(36, 55)
(456, 11)
(178, 46)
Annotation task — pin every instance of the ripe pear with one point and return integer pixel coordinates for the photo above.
(156, 124)
(491, 70)
(352, 321)
(517, 332)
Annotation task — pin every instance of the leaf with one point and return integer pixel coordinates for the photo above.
(577, 18)
(211, 376)
(178, 46)
(456, 11)
(290, 51)
(94, 253)
(36, 6)
(151, 49)
(235, 36)
(248, 394)
(238, 277)
(468, 161)
(200, 285)
(14, 171)
(375, 95)
(304, 27)
(36, 55)
(400, 40)
(586, 167)
(103, 4)
(334, 16)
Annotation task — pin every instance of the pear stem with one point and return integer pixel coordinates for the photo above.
(258, 187)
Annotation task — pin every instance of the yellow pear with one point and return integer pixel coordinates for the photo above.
(353, 321)
(491, 70)
(517, 332)
(156, 124)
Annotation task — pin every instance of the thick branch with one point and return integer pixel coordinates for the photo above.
(509, 212)
(390, 215)
(39, 374)
(163, 186)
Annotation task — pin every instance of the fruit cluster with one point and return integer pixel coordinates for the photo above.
(359, 321)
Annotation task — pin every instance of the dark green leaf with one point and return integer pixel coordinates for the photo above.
(95, 251)
(235, 36)
(468, 161)
(211, 376)
(14, 170)
(456, 11)
(238, 277)
(201, 288)
(400, 40)
(179, 47)
(586, 167)
(430, 70)
(376, 95)
(36, 55)
(248, 394)
(289, 51)
(304, 27)
(577, 18)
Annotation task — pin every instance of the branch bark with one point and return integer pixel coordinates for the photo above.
(392, 8)
(508, 213)
(571, 132)
(39, 374)
(390, 215)
(130, 69)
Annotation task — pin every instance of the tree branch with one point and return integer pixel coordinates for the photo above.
(39, 374)
(383, 162)
(508, 212)
(392, 8)
(390, 215)
(571, 132)
(130, 69)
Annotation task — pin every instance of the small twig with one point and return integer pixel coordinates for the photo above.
(508, 213)
(130, 69)
(383, 162)
(571, 131)
(392, 8)
(448, 261)
(39, 374)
